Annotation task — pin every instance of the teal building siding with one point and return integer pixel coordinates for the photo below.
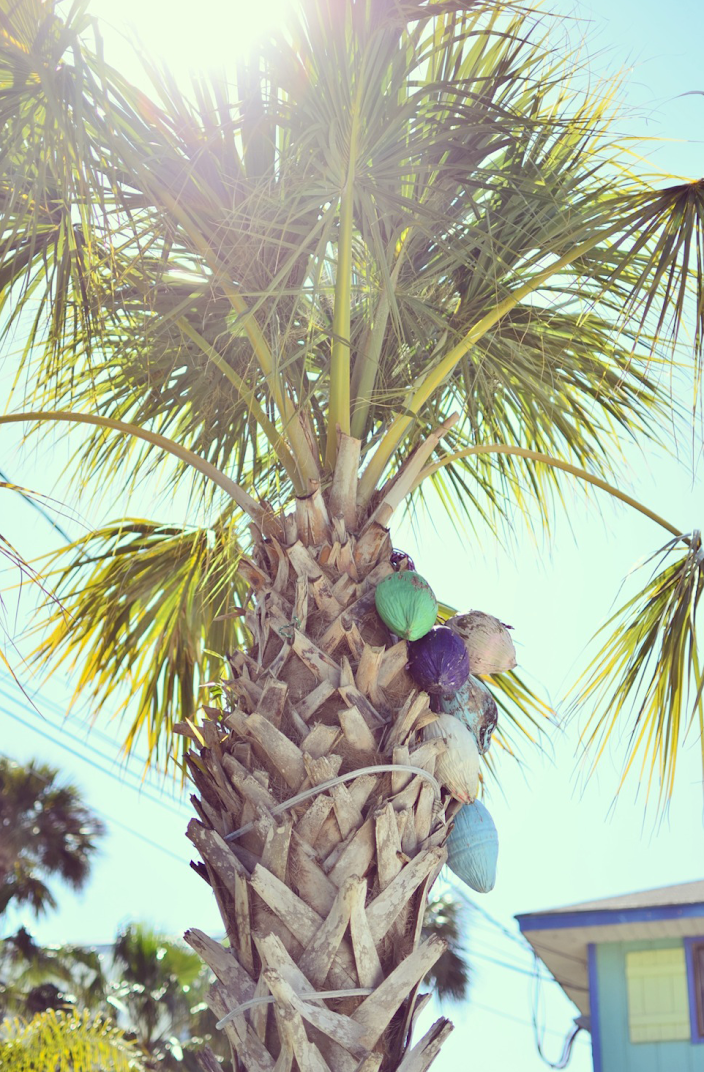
(618, 1053)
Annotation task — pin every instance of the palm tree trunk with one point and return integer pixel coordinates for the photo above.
(329, 894)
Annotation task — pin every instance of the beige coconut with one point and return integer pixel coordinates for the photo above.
(487, 640)
(457, 769)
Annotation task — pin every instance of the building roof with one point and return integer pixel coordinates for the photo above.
(561, 936)
(684, 893)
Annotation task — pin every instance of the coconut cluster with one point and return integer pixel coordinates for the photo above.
(444, 661)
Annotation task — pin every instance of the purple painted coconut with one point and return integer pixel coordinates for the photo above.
(438, 662)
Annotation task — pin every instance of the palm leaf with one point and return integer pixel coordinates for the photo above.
(386, 218)
(67, 1042)
(648, 674)
(146, 606)
(450, 976)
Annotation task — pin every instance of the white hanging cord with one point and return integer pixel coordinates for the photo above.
(307, 793)
(357, 992)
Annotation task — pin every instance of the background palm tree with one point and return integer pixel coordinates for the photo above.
(160, 988)
(47, 832)
(66, 1040)
(34, 978)
(400, 253)
(151, 986)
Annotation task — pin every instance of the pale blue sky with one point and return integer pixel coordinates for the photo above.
(559, 842)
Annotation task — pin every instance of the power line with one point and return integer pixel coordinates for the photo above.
(32, 502)
(79, 740)
(142, 837)
(521, 971)
(507, 1016)
(103, 770)
(60, 711)
(491, 919)
(517, 939)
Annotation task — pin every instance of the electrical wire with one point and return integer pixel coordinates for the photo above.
(478, 953)
(473, 952)
(47, 704)
(508, 1016)
(60, 712)
(480, 910)
(142, 837)
(32, 502)
(516, 939)
(143, 793)
(539, 1031)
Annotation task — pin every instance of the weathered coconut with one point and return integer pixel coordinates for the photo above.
(438, 662)
(406, 604)
(457, 768)
(474, 705)
(488, 641)
(473, 847)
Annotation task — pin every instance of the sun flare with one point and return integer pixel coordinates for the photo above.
(210, 34)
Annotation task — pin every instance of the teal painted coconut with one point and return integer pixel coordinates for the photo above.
(474, 705)
(406, 604)
(473, 847)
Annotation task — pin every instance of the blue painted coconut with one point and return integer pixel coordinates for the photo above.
(438, 662)
(473, 847)
(474, 705)
(406, 604)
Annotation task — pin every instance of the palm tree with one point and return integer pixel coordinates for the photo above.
(34, 978)
(155, 992)
(159, 988)
(66, 1040)
(399, 254)
(46, 831)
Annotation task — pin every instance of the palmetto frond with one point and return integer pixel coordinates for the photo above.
(67, 1042)
(451, 974)
(390, 213)
(646, 681)
(153, 607)
(446, 166)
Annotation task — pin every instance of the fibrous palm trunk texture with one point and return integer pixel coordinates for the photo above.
(327, 894)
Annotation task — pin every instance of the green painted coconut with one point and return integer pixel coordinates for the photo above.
(406, 604)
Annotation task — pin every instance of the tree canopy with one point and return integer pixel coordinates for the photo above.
(411, 225)
(47, 832)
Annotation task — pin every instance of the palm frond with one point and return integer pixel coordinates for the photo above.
(144, 609)
(67, 1042)
(529, 717)
(657, 265)
(450, 976)
(646, 683)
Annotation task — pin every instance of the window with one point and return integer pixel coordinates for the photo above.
(658, 1006)
(694, 951)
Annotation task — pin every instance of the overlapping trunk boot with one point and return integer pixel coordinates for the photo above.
(326, 894)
